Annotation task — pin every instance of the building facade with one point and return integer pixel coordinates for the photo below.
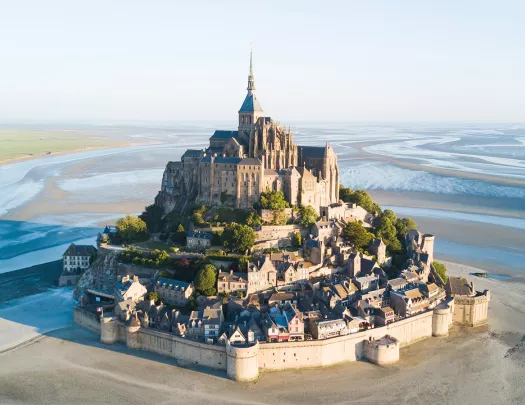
(240, 164)
(174, 292)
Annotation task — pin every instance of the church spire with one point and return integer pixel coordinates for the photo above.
(251, 78)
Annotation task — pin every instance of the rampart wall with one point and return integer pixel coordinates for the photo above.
(244, 363)
(86, 319)
(471, 311)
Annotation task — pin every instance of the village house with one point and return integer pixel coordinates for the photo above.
(366, 283)
(231, 283)
(397, 284)
(197, 240)
(282, 298)
(129, 289)
(174, 292)
(261, 275)
(384, 316)
(326, 230)
(378, 248)
(347, 212)
(408, 302)
(295, 322)
(75, 260)
(314, 250)
(205, 324)
(275, 326)
(291, 273)
(325, 328)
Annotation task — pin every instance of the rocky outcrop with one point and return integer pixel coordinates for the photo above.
(101, 276)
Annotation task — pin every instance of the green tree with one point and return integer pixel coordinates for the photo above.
(391, 215)
(388, 232)
(205, 279)
(297, 239)
(216, 238)
(152, 216)
(131, 229)
(403, 225)
(180, 228)
(279, 217)
(356, 234)
(308, 215)
(153, 296)
(359, 197)
(238, 237)
(441, 269)
(253, 220)
(273, 200)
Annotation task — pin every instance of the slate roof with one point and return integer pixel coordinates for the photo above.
(459, 286)
(376, 242)
(250, 104)
(312, 151)
(282, 296)
(215, 150)
(173, 284)
(397, 283)
(80, 250)
(250, 161)
(220, 159)
(198, 234)
(194, 153)
(222, 134)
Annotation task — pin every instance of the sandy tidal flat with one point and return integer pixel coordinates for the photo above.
(482, 366)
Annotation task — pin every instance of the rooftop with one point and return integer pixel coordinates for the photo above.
(80, 250)
(173, 284)
(460, 286)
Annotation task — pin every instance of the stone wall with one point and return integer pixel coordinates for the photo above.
(244, 363)
(86, 319)
(471, 311)
(289, 214)
(274, 232)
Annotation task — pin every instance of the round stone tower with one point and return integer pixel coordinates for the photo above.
(132, 335)
(428, 246)
(242, 362)
(108, 329)
(382, 351)
(441, 319)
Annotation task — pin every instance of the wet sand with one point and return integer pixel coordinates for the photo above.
(482, 366)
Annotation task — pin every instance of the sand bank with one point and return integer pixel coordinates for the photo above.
(478, 367)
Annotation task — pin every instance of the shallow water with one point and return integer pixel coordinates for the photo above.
(47, 203)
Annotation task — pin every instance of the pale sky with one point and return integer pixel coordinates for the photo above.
(313, 60)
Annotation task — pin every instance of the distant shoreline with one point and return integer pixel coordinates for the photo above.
(72, 152)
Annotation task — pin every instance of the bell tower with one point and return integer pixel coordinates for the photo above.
(250, 110)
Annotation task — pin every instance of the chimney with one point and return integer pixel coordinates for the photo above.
(231, 272)
(125, 279)
(136, 278)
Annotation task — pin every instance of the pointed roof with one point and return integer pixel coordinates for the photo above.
(251, 103)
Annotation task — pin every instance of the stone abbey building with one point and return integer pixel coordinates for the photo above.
(238, 165)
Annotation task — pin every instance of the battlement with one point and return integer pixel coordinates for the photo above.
(242, 363)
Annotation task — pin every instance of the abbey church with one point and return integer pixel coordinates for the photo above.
(240, 164)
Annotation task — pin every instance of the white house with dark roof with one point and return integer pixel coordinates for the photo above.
(75, 260)
(196, 240)
(129, 289)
